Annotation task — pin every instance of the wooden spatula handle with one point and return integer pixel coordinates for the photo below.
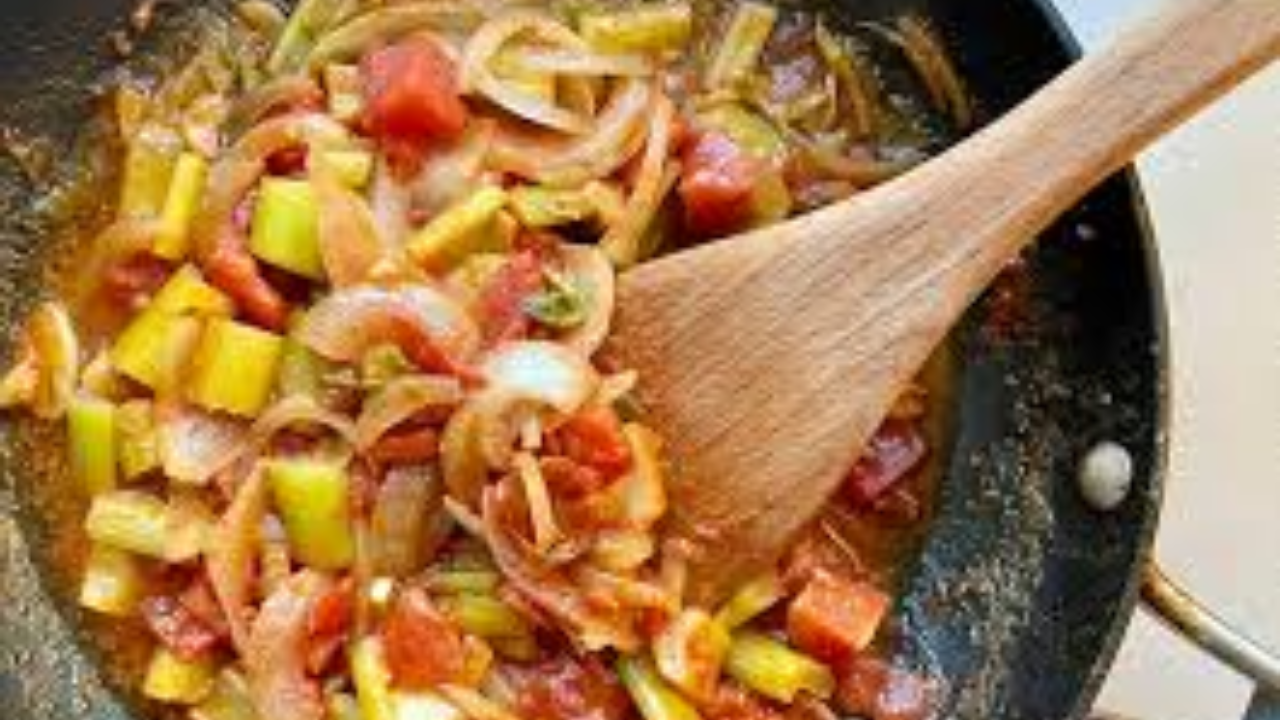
(771, 358)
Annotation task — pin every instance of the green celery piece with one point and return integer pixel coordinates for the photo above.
(186, 188)
(187, 292)
(750, 600)
(738, 54)
(653, 697)
(312, 498)
(776, 671)
(91, 430)
(234, 368)
(112, 583)
(560, 306)
(155, 349)
(461, 581)
(148, 165)
(541, 207)
(651, 28)
(176, 680)
(460, 231)
(285, 230)
(485, 616)
(306, 23)
(136, 439)
(372, 680)
(129, 520)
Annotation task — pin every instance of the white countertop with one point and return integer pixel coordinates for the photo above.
(1214, 194)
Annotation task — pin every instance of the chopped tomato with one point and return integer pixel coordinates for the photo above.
(414, 446)
(893, 453)
(569, 479)
(178, 628)
(716, 185)
(412, 99)
(130, 281)
(594, 438)
(871, 688)
(231, 269)
(422, 350)
(833, 618)
(423, 648)
(568, 688)
(328, 624)
(503, 298)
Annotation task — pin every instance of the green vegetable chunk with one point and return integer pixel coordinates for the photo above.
(541, 207)
(560, 306)
(463, 230)
(186, 188)
(173, 679)
(112, 583)
(186, 292)
(91, 430)
(642, 28)
(155, 349)
(655, 699)
(234, 368)
(739, 53)
(312, 498)
(148, 165)
(750, 600)
(485, 616)
(775, 670)
(285, 231)
(372, 680)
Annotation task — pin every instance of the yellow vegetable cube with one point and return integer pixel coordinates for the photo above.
(234, 368)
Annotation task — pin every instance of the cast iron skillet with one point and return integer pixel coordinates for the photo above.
(1021, 594)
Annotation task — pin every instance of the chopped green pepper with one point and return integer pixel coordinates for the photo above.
(91, 430)
(561, 305)
(155, 349)
(312, 498)
(461, 231)
(643, 28)
(739, 52)
(177, 680)
(750, 600)
(285, 231)
(464, 581)
(307, 21)
(234, 368)
(540, 207)
(136, 439)
(112, 583)
(187, 292)
(775, 670)
(485, 616)
(186, 187)
(655, 699)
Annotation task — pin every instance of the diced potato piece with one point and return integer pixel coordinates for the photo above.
(234, 368)
(91, 431)
(156, 348)
(112, 583)
(312, 498)
(186, 188)
(460, 231)
(187, 292)
(285, 231)
(642, 28)
(173, 679)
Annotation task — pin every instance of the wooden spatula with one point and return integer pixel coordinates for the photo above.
(768, 359)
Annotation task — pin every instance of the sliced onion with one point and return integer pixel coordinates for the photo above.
(232, 548)
(576, 61)
(389, 202)
(622, 241)
(350, 246)
(276, 650)
(638, 500)
(195, 445)
(449, 174)
(44, 377)
(121, 240)
(344, 325)
(287, 91)
(548, 588)
(475, 705)
(461, 459)
(384, 26)
(542, 372)
(399, 400)
(490, 39)
(546, 531)
(407, 525)
(570, 162)
(301, 410)
(590, 271)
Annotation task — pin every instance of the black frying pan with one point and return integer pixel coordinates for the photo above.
(1022, 592)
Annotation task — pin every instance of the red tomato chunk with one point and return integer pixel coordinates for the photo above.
(895, 451)
(422, 647)
(594, 438)
(412, 100)
(833, 618)
(871, 688)
(716, 185)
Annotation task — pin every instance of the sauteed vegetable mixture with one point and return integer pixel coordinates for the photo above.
(329, 375)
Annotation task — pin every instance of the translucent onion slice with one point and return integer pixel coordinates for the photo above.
(350, 246)
(230, 555)
(400, 400)
(408, 524)
(578, 61)
(546, 530)
(622, 241)
(385, 25)
(542, 372)
(275, 652)
(48, 360)
(491, 38)
(345, 324)
(591, 272)
(555, 160)
(195, 445)
(300, 410)
(462, 462)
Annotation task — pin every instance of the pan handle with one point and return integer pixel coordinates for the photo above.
(1195, 622)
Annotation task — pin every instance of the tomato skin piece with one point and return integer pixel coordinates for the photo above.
(892, 454)
(872, 688)
(594, 438)
(422, 647)
(231, 269)
(412, 99)
(407, 447)
(833, 618)
(178, 628)
(501, 306)
(716, 185)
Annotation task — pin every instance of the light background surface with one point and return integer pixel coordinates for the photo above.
(1214, 194)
